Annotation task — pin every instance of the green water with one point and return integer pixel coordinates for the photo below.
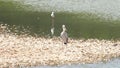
(80, 25)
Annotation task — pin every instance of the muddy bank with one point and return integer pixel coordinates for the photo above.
(31, 51)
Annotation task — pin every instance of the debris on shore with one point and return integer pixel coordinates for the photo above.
(31, 51)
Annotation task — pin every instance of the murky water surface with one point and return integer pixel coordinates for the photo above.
(115, 63)
(83, 19)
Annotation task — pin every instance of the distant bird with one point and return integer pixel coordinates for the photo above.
(64, 35)
(52, 29)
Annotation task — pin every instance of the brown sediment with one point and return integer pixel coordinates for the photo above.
(30, 51)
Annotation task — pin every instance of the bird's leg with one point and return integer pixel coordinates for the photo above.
(64, 43)
(53, 22)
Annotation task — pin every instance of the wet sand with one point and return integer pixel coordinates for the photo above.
(31, 51)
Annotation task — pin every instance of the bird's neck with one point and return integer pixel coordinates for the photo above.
(64, 29)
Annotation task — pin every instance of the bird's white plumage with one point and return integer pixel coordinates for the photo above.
(52, 15)
(64, 35)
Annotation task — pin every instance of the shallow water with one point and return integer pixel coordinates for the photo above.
(79, 25)
(114, 63)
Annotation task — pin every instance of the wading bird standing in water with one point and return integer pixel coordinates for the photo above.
(53, 20)
(64, 35)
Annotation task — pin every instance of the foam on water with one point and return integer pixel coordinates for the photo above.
(108, 8)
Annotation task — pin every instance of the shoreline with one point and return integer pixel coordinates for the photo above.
(30, 51)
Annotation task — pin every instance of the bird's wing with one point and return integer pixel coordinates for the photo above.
(64, 35)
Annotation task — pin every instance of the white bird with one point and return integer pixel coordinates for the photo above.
(52, 29)
(64, 35)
